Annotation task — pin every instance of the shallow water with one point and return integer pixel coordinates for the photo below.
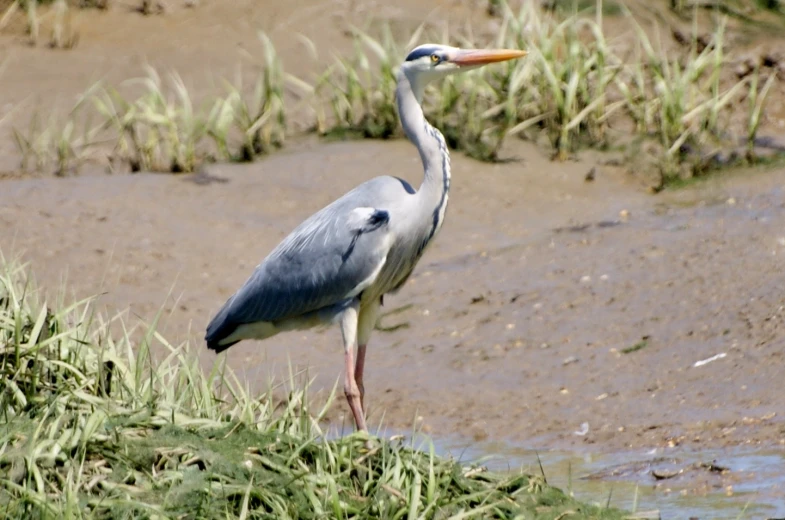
(752, 487)
(718, 484)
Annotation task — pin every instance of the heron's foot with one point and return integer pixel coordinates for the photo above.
(369, 442)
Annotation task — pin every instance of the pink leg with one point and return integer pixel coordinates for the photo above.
(350, 389)
(358, 374)
(353, 393)
(366, 323)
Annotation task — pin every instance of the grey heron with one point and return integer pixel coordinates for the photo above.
(338, 264)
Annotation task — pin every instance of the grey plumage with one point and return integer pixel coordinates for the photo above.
(321, 264)
(338, 264)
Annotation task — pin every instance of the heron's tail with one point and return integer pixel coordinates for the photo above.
(219, 328)
(216, 345)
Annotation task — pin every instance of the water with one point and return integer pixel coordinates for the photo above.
(753, 486)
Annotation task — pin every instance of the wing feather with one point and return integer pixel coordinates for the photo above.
(321, 263)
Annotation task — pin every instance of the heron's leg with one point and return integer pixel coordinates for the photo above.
(369, 314)
(358, 373)
(349, 321)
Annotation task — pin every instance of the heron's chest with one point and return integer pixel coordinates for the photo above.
(401, 262)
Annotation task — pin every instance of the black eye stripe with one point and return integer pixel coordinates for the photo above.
(420, 52)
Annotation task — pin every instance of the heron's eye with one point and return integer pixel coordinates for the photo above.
(435, 58)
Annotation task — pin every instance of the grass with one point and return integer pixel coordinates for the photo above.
(643, 343)
(62, 32)
(361, 96)
(681, 103)
(159, 131)
(565, 87)
(165, 130)
(57, 143)
(577, 87)
(360, 92)
(99, 420)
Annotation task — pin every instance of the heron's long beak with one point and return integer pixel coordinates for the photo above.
(477, 57)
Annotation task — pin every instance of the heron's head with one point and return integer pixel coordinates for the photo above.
(431, 61)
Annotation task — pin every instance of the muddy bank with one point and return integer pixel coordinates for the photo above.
(518, 319)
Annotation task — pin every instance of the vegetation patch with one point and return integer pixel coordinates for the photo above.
(95, 425)
(681, 110)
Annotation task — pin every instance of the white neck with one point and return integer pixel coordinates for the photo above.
(431, 145)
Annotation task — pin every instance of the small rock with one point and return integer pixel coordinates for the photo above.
(154, 7)
(570, 360)
(680, 37)
(703, 41)
(586, 279)
(590, 176)
(745, 66)
(772, 59)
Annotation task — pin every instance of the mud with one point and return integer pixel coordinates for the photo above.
(551, 312)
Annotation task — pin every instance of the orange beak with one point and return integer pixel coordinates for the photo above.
(483, 57)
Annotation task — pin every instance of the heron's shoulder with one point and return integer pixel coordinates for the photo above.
(338, 220)
(382, 189)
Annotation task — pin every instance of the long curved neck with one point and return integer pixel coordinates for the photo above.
(431, 145)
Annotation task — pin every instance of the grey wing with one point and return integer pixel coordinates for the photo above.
(329, 258)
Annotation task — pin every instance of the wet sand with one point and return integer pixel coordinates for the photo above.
(518, 316)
